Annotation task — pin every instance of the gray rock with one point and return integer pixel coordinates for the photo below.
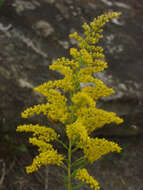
(49, 1)
(43, 28)
(62, 8)
(21, 6)
(65, 44)
(123, 5)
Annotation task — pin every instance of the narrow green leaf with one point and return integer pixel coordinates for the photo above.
(78, 186)
(77, 163)
(74, 173)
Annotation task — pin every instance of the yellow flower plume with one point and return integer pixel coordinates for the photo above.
(45, 158)
(83, 175)
(72, 101)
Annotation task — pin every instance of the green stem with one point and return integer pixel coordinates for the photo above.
(61, 142)
(69, 165)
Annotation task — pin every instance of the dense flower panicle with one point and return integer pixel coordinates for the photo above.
(57, 107)
(100, 63)
(81, 99)
(95, 148)
(58, 113)
(100, 21)
(94, 118)
(100, 90)
(74, 52)
(83, 175)
(90, 70)
(88, 58)
(54, 94)
(42, 145)
(93, 31)
(65, 62)
(44, 87)
(76, 131)
(86, 79)
(37, 109)
(65, 70)
(98, 55)
(38, 130)
(65, 84)
(45, 158)
(98, 49)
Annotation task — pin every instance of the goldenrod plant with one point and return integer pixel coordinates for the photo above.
(72, 102)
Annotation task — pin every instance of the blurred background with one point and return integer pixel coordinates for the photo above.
(33, 33)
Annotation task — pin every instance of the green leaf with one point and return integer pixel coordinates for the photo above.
(74, 173)
(77, 163)
(22, 148)
(78, 186)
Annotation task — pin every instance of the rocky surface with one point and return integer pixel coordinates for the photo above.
(34, 33)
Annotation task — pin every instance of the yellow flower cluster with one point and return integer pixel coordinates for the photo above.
(95, 148)
(45, 158)
(82, 99)
(42, 132)
(100, 21)
(37, 109)
(98, 91)
(83, 175)
(42, 136)
(93, 31)
(85, 75)
(57, 108)
(65, 62)
(76, 131)
(65, 84)
(43, 146)
(84, 57)
(94, 118)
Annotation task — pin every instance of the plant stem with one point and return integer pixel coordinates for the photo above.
(61, 142)
(69, 165)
